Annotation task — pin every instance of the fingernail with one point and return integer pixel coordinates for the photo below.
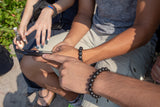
(46, 42)
(25, 34)
(37, 46)
(42, 46)
(44, 55)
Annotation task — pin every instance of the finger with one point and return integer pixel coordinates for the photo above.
(33, 28)
(49, 34)
(14, 40)
(43, 36)
(25, 30)
(55, 57)
(38, 33)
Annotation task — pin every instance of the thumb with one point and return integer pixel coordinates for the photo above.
(57, 58)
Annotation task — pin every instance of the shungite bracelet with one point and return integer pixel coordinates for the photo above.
(80, 53)
(92, 79)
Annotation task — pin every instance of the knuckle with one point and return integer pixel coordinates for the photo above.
(66, 64)
(63, 72)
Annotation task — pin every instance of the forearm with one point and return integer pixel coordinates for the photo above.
(123, 43)
(62, 5)
(80, 27)
(146, 21)
(127, 91)
(28, 11)
(81, 23)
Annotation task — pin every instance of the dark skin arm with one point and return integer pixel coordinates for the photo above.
(125, 91)
(146, 22)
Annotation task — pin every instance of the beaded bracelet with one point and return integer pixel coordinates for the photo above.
(54, 9)
(93, 77)
(80, 53)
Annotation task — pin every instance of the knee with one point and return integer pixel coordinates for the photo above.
(27, 64)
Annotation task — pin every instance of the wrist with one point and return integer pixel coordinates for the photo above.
(54, 10)
(22, 24)
(69, 42)
(92, 89)
(48, 10)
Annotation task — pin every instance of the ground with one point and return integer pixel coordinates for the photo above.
(13, 89)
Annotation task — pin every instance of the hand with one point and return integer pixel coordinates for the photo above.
(22, 32)
(19, 44)
(56, 49)
(156, 71)
(42, 24)
(66, 50)
(61, 50)
(74, 74)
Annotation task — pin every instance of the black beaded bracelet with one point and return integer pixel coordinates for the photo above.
(80, 53)
(93, 77)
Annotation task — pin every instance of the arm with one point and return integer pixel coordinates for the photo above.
(122, 90)
(127, 91)
(146, 22)
(44, 21)
(28, 11)
(81, 23)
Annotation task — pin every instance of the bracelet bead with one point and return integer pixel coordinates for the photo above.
(92, 79)
(80, 53)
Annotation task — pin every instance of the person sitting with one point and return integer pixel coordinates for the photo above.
(49, 17)
(106, 83)
(119, 36)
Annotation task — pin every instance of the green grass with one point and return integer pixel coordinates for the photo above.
(10, 12)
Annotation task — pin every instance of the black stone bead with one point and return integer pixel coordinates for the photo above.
(80, 57)
(80, 48)
(91, 92)
(90, 84)
(91, 80)
(94, 95)
(97, 73)
(106, 69)
(103, 69)
(94, 76)
(100, 70)
(89, 89)
(80, 53)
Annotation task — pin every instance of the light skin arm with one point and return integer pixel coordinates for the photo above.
(28, 11)
(44, 21)
(125, 91)
(146, 22)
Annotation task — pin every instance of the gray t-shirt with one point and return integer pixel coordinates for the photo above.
(114, 16)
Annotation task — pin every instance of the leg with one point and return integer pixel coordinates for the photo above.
(44, 76)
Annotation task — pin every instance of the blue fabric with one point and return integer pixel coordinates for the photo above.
(114, 16)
